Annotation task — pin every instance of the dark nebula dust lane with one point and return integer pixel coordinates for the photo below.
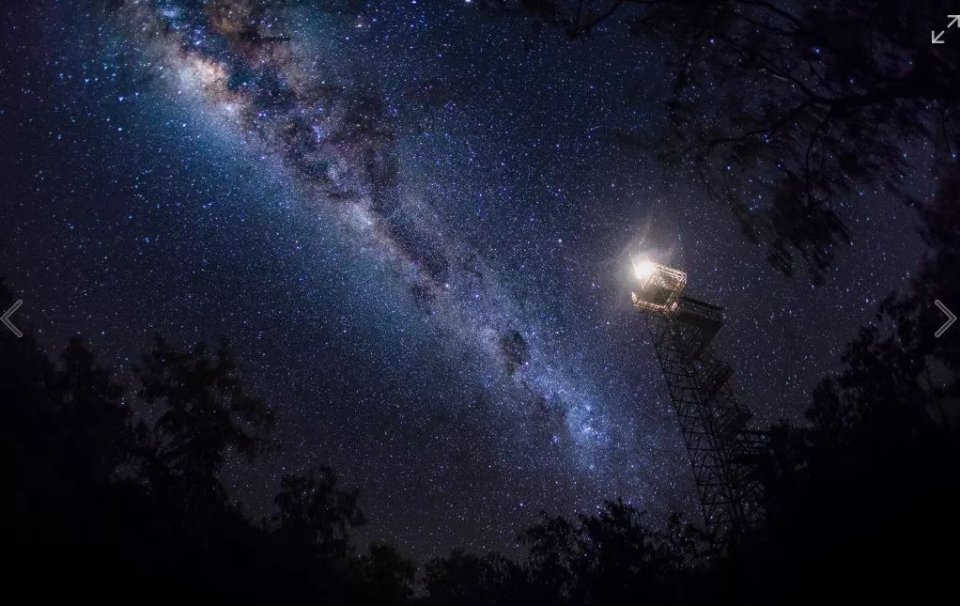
(416, 230)
(235, 62)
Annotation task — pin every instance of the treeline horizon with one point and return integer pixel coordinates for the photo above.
(862, 501)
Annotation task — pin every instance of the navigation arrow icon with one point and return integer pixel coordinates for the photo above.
(954, 20)
(935, 37)
(950, 318)
(5, 318)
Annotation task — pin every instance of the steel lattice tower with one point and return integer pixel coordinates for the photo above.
(721, 449)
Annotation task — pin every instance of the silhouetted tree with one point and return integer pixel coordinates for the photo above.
(471, 580)
(606, 558)
(312, 529)
(863, 501)
(205, 414)
(383, 576)
(315, 517)
(64, 431)
(111, 508)
(610, 557)
(99, 435)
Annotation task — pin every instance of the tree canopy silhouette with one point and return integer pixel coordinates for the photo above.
(316, 517)
(205, 414)
(862, 500)
(790, 112)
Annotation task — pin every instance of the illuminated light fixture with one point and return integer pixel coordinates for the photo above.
(659, 287)
(644, 269)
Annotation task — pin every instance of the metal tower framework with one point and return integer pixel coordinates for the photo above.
(722, 451)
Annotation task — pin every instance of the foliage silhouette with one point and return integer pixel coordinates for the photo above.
(115, 500)
(789, 112)
(115, 491)
(205, 414)
(313, 513)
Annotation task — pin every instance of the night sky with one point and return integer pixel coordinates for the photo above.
(414, 224)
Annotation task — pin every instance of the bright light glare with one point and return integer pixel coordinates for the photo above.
(644, 269)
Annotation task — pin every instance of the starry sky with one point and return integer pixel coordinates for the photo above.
(413, 222)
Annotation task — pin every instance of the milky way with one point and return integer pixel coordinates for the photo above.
(338, 145)
(415, 227)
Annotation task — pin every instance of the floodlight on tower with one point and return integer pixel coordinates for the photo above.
(644, 269)
(658, 287)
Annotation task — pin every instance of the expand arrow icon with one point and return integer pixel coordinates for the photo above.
(5, 318)
(954, 21)
(935, 38)
(950, 318)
